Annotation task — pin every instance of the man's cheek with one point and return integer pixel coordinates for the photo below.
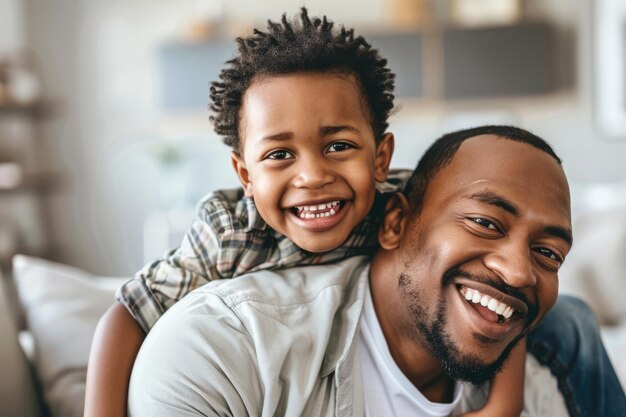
(547, 300)
(552, 293)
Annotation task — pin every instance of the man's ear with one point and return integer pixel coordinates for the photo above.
(242, 173)
(384, 152)
(395, 220)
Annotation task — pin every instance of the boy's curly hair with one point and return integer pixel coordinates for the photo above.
(307, 45)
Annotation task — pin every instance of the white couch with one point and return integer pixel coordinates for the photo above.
(595, 271)
(62, 305)
(47, 358)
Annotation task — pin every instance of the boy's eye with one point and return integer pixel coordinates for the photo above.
(279, 154)
(339, 146)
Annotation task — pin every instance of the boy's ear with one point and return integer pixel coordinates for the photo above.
(384, 152)
(395, 220)
(242, 173)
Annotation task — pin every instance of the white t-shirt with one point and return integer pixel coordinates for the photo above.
(387, 391)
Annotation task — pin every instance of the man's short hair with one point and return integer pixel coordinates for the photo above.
(310, 45)
(440, 153)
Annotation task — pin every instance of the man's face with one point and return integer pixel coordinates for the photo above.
(310, 159)
(480, 261)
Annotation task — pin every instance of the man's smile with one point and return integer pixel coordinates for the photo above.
(502, 310)
(490, 312)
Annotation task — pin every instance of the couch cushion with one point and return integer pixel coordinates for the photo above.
(18, 393)
(62, 305)
(595, 269)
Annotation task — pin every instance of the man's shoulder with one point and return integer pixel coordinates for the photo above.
(304, 308)
(285, 286)
(240, 339)
(234, 336)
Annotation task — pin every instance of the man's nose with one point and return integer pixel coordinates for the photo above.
(312, 173)
(512, 262)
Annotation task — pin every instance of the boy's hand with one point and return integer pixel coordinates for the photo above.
(490, 412)
(506, 394)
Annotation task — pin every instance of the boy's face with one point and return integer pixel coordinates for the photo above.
(309, 157)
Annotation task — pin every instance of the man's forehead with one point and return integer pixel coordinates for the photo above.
(516, 169)
(489, 156)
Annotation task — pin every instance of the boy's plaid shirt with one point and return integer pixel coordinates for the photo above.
(228, 238)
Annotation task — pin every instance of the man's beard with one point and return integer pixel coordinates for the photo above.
(457, 365)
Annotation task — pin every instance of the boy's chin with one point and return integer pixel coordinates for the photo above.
(318, 248)
(319, 245)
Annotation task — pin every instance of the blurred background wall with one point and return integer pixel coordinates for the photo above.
(114, 169)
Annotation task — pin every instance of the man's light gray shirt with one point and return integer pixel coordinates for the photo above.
(276, 343)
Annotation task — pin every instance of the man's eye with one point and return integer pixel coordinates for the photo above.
(484, 223)
(280, 154)
(339, 146)
(549, 254)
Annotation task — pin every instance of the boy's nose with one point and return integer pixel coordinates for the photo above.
(312, 174)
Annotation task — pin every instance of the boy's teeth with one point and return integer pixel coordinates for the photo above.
(316, 215)
(314, 211)
(492, 304)
(316, 207)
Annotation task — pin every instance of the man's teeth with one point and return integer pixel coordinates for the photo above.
(491, 303)
(315, 211)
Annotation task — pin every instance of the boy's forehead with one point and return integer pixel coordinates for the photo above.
(316, 84)
(272, 104)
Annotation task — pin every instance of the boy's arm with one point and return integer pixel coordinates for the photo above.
(506, 395)
(154, 289)
(113, 351)
(208, 251)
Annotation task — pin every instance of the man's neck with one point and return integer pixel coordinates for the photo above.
(409, 353)
(418, 365)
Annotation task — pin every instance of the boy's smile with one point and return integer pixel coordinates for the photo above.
(319, 216)
(309, 157)
(314, 211)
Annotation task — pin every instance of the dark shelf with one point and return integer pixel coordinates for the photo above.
(448, 64)
(41, 183)
(502, 61)
(38, 109)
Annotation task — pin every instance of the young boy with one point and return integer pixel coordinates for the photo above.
(305, 109)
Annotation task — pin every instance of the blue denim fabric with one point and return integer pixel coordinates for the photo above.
(568, 341)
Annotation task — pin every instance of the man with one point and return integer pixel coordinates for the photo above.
(467, 266)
